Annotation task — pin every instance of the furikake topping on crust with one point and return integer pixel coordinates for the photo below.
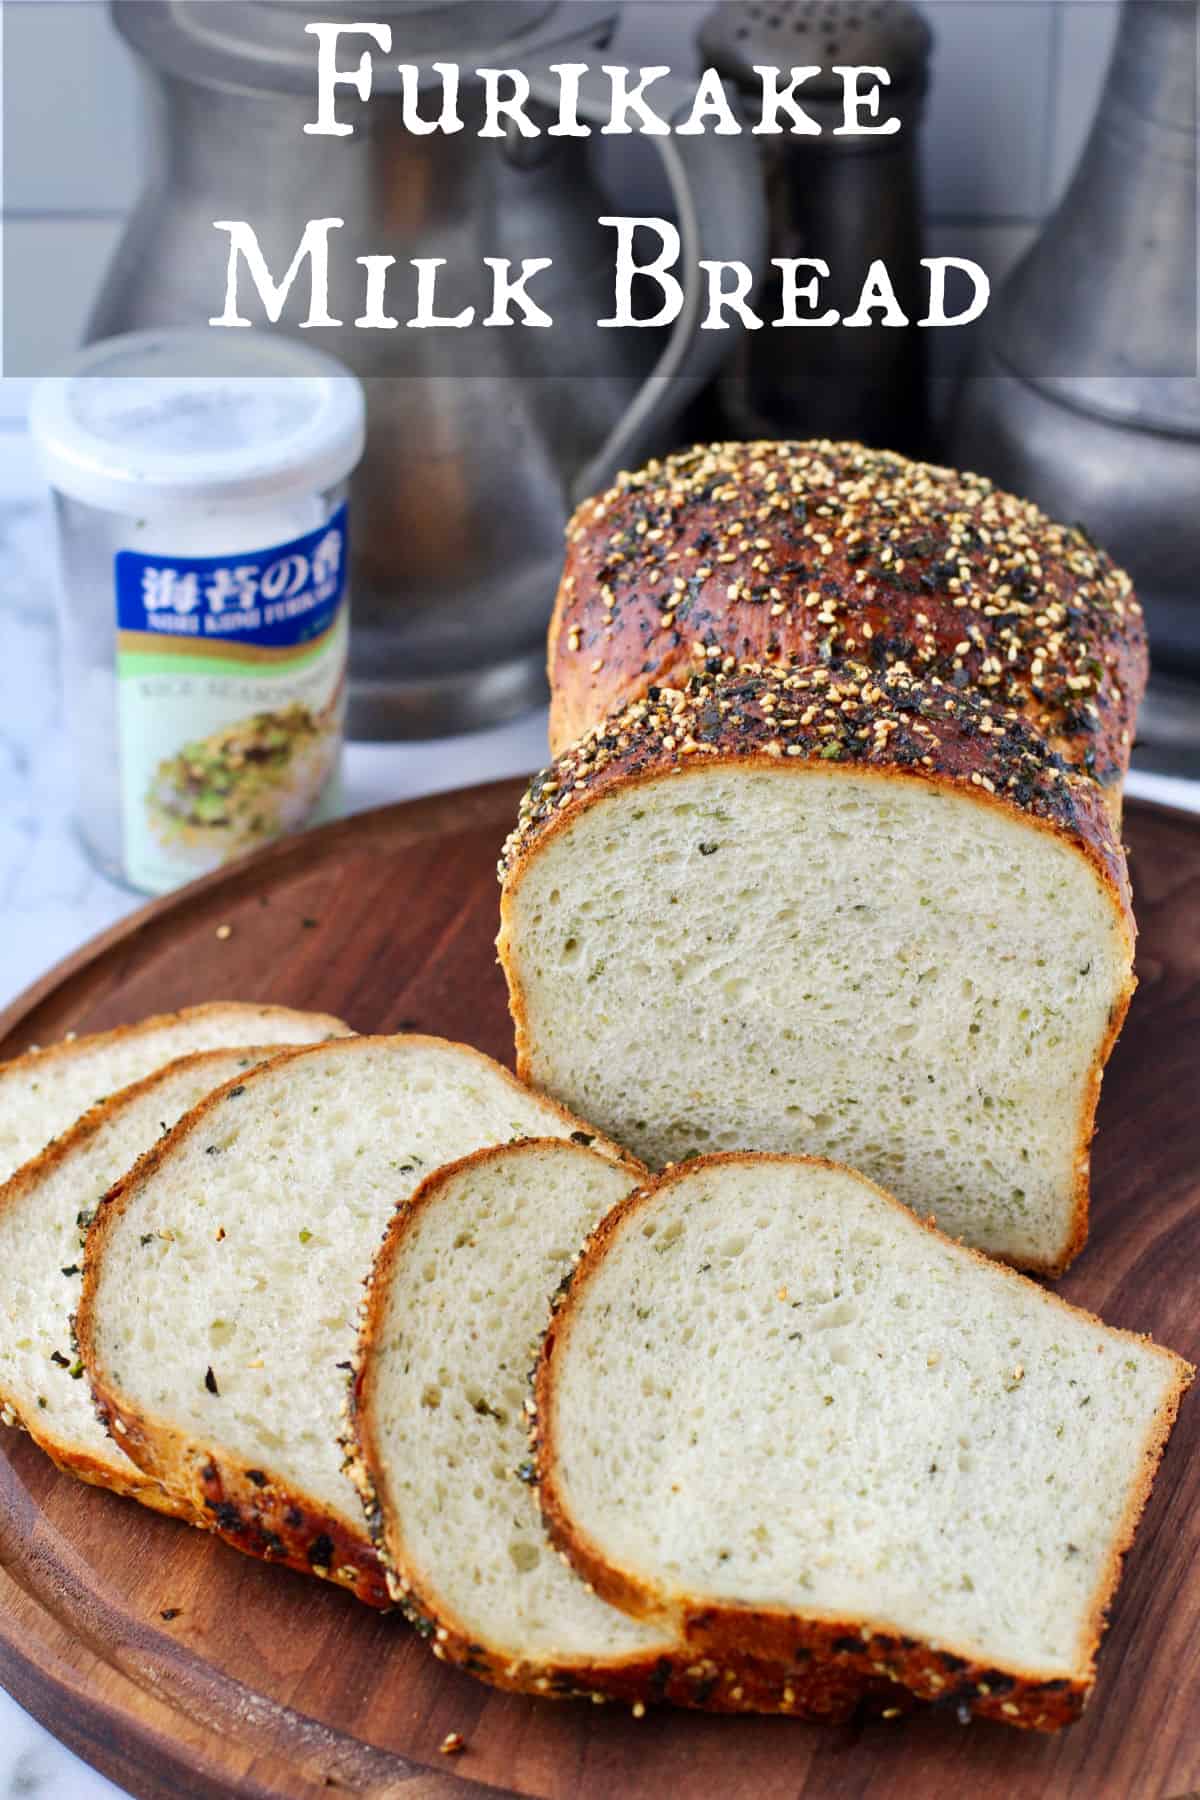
(846, 715)
(825, 551)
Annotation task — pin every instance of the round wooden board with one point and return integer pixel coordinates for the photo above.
(270, 1685)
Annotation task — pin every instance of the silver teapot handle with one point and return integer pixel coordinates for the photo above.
(717, 187)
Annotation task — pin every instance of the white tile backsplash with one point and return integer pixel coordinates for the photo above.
(81, 152)
(987, 132)
(1088, 29)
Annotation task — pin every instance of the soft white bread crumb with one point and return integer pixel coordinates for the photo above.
(879, 971)
(224, 1299)
(45, 1211)
(458, 1303)
(771, 1386)
(44, 1091)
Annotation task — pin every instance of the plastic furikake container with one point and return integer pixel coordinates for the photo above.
(203, 533)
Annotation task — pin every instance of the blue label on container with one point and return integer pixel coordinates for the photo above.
(231, 682)
(275, 598)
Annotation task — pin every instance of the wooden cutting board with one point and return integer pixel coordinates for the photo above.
(266, 1684)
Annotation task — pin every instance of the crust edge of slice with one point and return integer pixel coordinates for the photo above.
(680, 1675)
(263, 1518)
(133, 1483)
(45, 1055)
(876, 1645)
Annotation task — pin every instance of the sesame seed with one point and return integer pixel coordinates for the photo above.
(1054, 631)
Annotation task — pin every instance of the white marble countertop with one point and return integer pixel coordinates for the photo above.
(51, 899)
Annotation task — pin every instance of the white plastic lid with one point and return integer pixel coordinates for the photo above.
(132, 425)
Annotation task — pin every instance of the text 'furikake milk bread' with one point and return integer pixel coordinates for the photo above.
(780, 1413)
(821, 911)
(223, 1276)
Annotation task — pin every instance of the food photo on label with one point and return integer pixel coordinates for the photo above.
(204, 545)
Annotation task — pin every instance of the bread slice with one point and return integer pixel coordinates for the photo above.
(780, 1413)
(458, 1300)
(223, 1276)
(45, 1210)
(44, 1091)
(805, 552)
(827, 915)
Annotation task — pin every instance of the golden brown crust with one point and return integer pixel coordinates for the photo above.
(248, 1507)
(132, 1486)
(847, 717)
(32, 1173)
(807, 552)
(69, 1047)
(242, 1505)
(844, 719)
(872, 1647)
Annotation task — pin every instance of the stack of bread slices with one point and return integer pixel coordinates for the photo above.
(822, 914)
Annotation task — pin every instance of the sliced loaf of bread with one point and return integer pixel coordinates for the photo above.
(824, 914)
(45, 1211)
(779, 1413)
(457, 1303)
(44, 1091)
(223, 1275)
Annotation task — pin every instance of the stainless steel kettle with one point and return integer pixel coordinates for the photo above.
(472, 465)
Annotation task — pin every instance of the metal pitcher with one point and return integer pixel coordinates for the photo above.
(1086, 396)
(472, 465)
